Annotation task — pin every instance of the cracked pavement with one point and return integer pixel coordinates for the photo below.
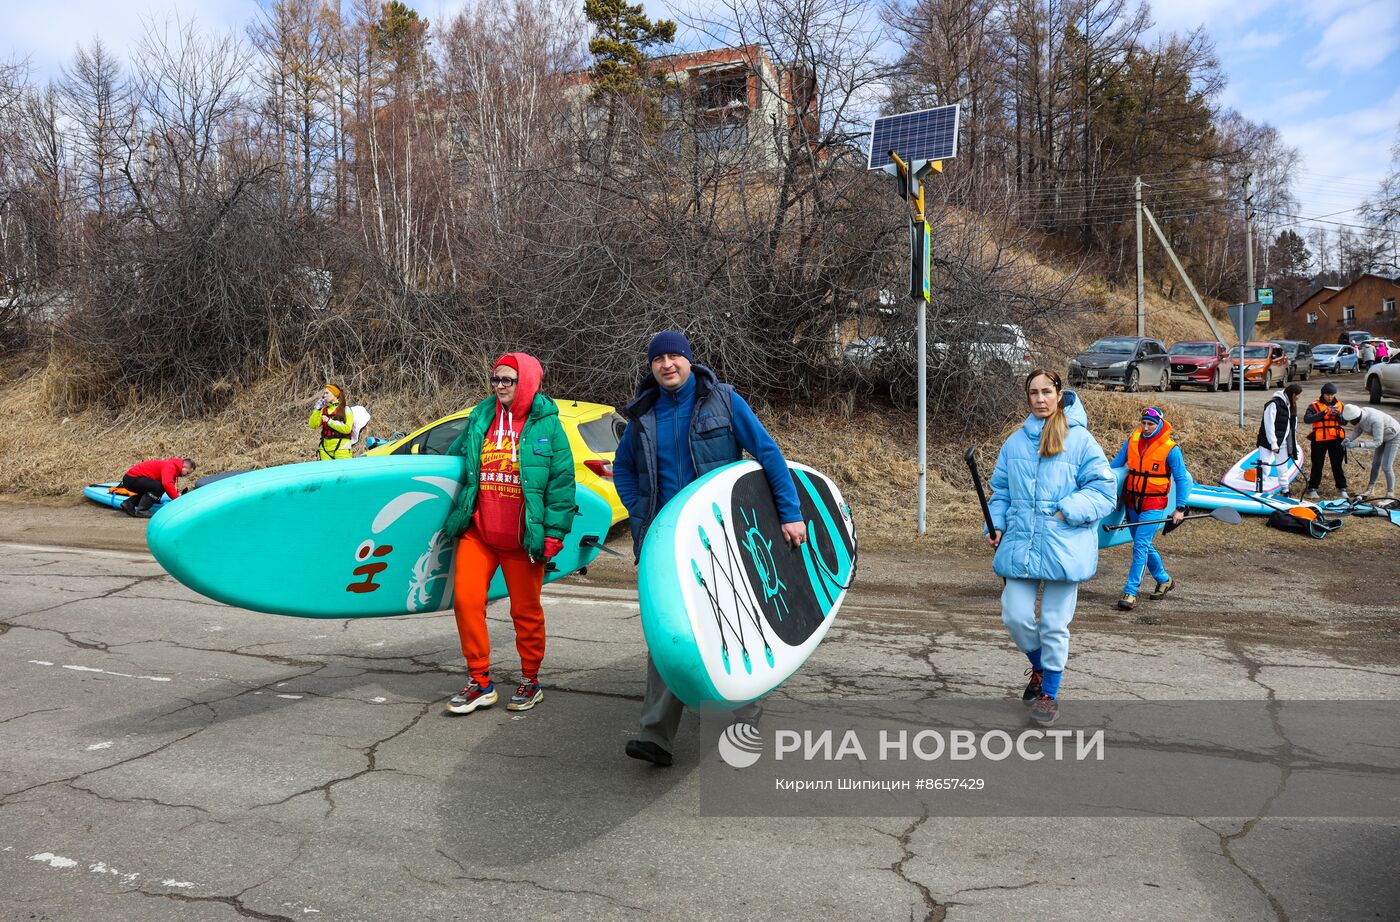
(165, 757)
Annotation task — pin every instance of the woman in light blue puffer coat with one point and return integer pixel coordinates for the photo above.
(1051, 486)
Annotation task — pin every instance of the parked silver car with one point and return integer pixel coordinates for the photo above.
(1129, 362)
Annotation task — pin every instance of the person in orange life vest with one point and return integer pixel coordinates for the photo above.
(1328, 430)
(149, 479)
(516, 505)
(1154, 461)
(335, 423)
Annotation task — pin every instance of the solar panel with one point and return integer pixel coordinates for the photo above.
(931, 134)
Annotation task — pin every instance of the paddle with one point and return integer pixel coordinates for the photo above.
(1300, 512)
(1223, 514)
(970, 456)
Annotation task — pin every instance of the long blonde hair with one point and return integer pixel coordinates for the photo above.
(1052, 437)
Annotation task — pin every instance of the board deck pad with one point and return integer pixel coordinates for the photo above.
(1247, 473)
(729, 609)
(355, 538)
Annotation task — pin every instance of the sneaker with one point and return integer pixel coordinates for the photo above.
(1311, 494)
(1344, 496)
(1128, 602)
(472, 697)
(1032, 691)
(1162, 589)
(1045, 711)
(527, 695)
(648, 752)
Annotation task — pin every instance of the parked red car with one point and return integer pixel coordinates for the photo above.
(1200, 363)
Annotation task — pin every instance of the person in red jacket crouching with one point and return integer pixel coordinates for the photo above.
(149, 480)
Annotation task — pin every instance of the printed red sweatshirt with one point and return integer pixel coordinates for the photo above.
(500, 502)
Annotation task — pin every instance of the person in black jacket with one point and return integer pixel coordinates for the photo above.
(1278, 437)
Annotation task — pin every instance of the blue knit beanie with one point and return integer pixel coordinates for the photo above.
(669, 341)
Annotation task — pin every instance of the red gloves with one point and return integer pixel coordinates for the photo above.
(552, 546)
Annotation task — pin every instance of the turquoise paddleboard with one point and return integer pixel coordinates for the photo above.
(1117, 516)
(102, 494)
(357, 538)
(729, 609)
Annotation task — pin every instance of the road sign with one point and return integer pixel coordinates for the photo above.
(1266, 296)
(1265, 315)
(917, 258)
(1242, 318)
(928, 263)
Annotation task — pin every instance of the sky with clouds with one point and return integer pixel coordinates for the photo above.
(1325, 73)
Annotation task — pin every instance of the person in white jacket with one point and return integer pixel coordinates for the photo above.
(1278, 435)
(1374, 430)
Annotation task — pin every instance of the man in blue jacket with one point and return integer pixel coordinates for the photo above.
(682, 424)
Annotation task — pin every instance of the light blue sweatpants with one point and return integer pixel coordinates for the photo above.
(1144, 554)
(1051, 635)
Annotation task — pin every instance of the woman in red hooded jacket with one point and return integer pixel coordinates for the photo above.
(515, 507)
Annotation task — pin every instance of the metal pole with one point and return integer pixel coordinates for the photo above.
(1239, 334)
(1249, 281)
(1141, 312)
(923, 414)
(1248, 243)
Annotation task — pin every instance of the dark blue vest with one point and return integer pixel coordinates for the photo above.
(712, 440)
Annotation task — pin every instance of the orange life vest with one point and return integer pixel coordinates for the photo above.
(1149, 480)
(1328, 428)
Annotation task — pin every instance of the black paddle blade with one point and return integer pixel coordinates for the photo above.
(1171, 526)
(1227, 515)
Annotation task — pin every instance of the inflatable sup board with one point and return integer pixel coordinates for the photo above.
(112, 494)
(1247, 473)
(729, 609)
(355, 538)
(1117, 516)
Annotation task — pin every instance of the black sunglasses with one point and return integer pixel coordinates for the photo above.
(506, 382)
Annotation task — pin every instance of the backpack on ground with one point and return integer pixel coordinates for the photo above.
(1319, 527)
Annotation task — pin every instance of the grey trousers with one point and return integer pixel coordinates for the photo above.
(1383, 461)
(661, 711)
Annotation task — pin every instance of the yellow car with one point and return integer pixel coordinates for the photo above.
(593, 430)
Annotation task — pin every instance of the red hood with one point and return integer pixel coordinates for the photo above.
(531, 373)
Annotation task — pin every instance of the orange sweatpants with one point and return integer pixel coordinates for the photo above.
(476, 564)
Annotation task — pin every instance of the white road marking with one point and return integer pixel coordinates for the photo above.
(291, 697)
(172, 882)
(54, 861)
(124, 675)
(96, 746)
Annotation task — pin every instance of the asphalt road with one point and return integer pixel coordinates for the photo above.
(164, 757)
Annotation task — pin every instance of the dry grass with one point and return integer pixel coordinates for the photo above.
(47, 459)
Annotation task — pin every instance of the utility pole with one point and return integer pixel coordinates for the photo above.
(1141, 310)
(1248, 245)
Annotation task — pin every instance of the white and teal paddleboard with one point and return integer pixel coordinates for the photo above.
(1252, 476)
(356, 538)
(729, 609)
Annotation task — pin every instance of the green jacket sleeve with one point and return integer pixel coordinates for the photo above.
(560, 505)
